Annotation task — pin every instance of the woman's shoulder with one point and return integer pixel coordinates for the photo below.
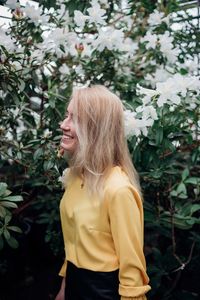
(118, 182)
(116, 179)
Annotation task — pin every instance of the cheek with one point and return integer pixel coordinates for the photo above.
(73, 131)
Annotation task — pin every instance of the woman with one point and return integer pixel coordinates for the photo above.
(101, 209)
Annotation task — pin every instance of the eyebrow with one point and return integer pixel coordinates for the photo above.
(67, 113)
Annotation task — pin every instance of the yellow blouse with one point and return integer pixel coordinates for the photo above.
(106, 235)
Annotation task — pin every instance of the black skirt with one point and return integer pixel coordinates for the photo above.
(83, 284)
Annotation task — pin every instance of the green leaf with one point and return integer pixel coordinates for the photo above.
(6, 234)
(8, 204)
(2, 212)
(7, 193)
(14, 198)
(194, 208)
(7, 219)
(19, 155)
(3, 187)
(185, 174)
(12, 242)
(192, 180)
(48, 165)
(173, 193)
(191, 221)
(22, 85)
(181, 189)
(52, 102)
(15, 228)
(159, 135)
(38, 153)
(182, 196)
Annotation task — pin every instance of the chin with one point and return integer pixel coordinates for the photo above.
(68, 148)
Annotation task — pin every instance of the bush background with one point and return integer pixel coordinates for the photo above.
(167, 157)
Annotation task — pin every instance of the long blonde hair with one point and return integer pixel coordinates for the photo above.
(99, 123)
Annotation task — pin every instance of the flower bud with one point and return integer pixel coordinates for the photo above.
(79, 47)
(18, 14)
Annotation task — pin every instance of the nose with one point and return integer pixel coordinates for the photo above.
(65, 124)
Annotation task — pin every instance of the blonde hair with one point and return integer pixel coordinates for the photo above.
(99, 122)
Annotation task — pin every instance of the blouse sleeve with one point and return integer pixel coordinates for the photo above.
(63, 269)
(126, 221)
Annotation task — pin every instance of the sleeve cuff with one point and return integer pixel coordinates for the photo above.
(134, 298)
(133, 293)
(63, 269)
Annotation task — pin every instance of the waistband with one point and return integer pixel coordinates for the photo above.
(84, 284)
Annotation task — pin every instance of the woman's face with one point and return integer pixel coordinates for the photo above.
(69, 139)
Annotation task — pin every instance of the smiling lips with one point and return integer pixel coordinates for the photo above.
(67, 137)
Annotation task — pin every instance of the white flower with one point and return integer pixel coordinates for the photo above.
(172, 108)
(79, 85)
(63, 14)
(2, 94)
(80, 19)
(148, 112)
(143, 125)
(35, 14)
(192, 64)
(15, 111)
(79, 70)
(147, 92)
(58, 36)
(151, 40)
(38, 90)
(47, 133)
(167, 48)
(192, 106)
(109, 38)
(169, 53)
(129, 123)
(36, 117)
(165, 39)
(37, 55)
(168, 93)
(20, 128)
(36, 101)
(6, 41)
(48, 69)
(134, 126)
(96, 14)
(129, 46)
(12, 4)
(9, 136)
(63, 178)
(157, 18)
(171, 90)
(182, 84)
(64, 70)
(193, 83)
(160, 75)
(16, 65)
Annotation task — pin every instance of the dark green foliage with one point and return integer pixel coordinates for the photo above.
(167, 159)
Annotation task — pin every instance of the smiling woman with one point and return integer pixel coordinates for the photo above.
(101, 209)
(69, 139)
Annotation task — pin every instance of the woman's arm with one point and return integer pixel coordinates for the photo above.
(61, 293)
(126, 221)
